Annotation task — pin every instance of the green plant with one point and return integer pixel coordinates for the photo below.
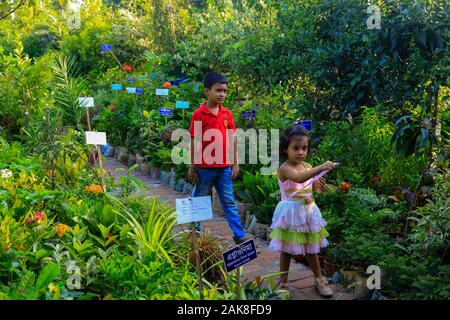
(128, 183)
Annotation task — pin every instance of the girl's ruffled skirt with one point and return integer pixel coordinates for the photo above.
(298, 228)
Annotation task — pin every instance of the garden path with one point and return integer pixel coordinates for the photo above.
(301, 278)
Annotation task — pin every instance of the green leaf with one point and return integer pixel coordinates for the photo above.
(47, 275)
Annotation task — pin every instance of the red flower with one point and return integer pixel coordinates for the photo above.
(127, 67)
(166, 84)
(344, 186)
(112, 107)
(39, 216)
(376, 179)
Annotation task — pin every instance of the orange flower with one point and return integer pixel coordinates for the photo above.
(61, 229)
(166, 84)
(93, 188)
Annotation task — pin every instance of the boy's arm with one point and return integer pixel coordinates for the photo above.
(192, 174)
(235, 170)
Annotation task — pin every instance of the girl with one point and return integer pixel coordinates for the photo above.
(298, 226)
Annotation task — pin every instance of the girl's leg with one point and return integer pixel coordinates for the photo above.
(321, 283)
(285, 261)
(314, 264)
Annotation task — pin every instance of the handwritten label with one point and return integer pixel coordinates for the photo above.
(116, 86)
(86, 102)
(239, 255)
(93, 137)
(166, 112)
(249, 114)
(182, 105)
(193, 209)
(307, 124)
(106, 47)
(162, 92)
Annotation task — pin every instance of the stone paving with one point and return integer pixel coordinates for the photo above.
(301, 278)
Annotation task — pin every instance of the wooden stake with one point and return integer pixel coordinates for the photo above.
(238, 284)
(88, 119)
(197, 260)
(117, 60)
(101, 168)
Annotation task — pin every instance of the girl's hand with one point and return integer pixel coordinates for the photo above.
(319, 185)
(327, 166)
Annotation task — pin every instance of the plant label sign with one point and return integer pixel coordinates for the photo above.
(162, 92)
(239, 255)
(131, 79)
(307, 124)
(182, 105)
(86, 102)
(193, 209)
(165, 112)
(131, 89)
(106, 47)
(93, 137)
(139, 91)
(116, 86)
(249, 114)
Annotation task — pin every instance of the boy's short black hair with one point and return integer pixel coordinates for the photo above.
(288, 133)
(211, 78)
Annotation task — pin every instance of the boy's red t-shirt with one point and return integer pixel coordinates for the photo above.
(222, 122)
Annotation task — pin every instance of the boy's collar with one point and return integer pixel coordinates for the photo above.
(206, 109)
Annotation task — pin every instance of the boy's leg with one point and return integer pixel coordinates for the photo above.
(204, 186)
(224, 187)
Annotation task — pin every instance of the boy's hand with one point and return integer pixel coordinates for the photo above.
(192, 175)
(235, 171)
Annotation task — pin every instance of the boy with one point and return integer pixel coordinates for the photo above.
(211, 166)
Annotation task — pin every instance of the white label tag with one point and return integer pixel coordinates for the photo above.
(86, 102)
(93, 137)
(193, 209)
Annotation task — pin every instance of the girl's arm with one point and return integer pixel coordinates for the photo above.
(292, 174)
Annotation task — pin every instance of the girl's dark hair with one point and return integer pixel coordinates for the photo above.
(211, 78)
(288, 133)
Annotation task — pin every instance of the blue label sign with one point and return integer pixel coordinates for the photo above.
(249, 114)
(106, 47)
(307, 124)
(131, 79)
(182, 105)
(131, 89)
(116, 86)
(240, 255)
(139, 91)
(165, 112)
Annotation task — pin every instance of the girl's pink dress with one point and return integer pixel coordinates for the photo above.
(297, 224)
